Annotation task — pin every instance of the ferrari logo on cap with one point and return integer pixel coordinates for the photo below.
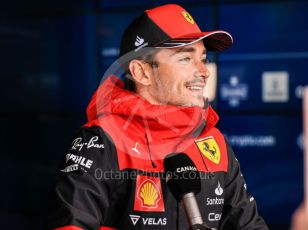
(209, 148)
(188, 17)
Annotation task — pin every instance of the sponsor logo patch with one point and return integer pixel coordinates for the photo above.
(186, 168)
(188, 17)
(135, 149)
(216, 201)
(148, 221)
(148, 194)
(79, 160)
(219, 191)
(214, 216)
(134, 219)
(70, 168)
(139, 41)
(77, 144)
(209, 148)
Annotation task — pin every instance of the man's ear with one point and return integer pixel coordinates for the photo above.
(140, 72)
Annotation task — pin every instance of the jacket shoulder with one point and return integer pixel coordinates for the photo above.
(90, 148)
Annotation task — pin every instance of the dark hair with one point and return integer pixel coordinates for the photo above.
(129, 83)
(149, 57)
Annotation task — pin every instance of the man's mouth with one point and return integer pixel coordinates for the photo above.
(195, 87)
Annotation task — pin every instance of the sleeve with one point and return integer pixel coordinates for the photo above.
(78, 199)
(240, 209)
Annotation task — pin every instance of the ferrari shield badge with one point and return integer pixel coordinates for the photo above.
(209, 148)
(188, 17)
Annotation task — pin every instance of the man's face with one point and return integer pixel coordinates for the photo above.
(180, 77)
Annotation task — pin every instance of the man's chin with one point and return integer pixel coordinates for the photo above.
(197, 102)
(193, 104)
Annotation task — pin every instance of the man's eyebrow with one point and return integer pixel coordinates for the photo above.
(188, 50)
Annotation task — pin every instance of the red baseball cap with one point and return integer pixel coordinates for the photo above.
(169, 26)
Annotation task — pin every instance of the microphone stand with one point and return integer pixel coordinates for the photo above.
(193, 213)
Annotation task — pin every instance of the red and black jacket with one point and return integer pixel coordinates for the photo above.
(112, 175)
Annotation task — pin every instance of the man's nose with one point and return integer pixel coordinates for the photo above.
(202, 70)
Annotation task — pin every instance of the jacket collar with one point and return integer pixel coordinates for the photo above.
(173, 121)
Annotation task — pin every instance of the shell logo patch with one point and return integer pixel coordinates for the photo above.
(209, 148)
(188, 17)
(148, 194)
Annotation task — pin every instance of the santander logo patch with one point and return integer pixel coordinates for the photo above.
(219, 191)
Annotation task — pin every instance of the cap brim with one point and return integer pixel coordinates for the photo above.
(218, 40)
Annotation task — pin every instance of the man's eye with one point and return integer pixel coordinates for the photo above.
(185, 59)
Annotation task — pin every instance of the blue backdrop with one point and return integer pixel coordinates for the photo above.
(54, 53)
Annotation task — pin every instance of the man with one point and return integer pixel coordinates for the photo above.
(299, 218)
(111, 177)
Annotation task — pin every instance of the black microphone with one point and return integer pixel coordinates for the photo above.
(183, 181)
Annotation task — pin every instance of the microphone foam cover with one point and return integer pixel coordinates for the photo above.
(181, 174)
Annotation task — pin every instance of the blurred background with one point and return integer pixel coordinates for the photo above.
(53, 54)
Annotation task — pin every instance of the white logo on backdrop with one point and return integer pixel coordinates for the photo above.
(243, 141)
(234, 92)
(275, 86)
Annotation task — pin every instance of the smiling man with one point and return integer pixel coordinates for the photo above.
(112, 175)
(177, 76)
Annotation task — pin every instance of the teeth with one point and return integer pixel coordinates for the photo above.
(194, 87)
